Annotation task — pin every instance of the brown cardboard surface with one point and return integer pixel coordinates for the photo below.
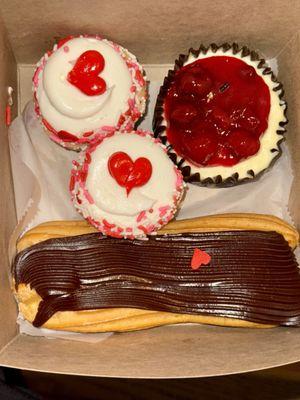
(154, 30)
(8, 77)
(157, 32)
(169, 352)
(289, 62)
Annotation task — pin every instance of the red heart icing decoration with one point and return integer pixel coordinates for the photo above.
(199, 257)
(127, 173)
(84, 74)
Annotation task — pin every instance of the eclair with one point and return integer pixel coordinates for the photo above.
(234, 270)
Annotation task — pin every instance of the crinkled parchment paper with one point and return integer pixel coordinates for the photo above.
(41, 176)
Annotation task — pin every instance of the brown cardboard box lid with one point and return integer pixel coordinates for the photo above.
(157, 32)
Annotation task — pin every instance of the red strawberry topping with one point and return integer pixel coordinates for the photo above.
(217, 108)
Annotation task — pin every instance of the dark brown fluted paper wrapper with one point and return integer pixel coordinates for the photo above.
(155, 31)
(160, 129)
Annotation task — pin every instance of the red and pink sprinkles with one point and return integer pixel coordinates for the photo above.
(144, 221)
(136, 103)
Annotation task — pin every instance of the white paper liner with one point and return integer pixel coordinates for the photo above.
(41, 178)
(27, 328)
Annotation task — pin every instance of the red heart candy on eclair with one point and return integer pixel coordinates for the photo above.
(199, 258)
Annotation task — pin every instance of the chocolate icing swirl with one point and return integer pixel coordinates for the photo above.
(252, 275)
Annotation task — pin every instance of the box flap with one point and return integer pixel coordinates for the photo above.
(290, 77)
(8, 77)
(168, 352)
(153, 32)
(156, 31)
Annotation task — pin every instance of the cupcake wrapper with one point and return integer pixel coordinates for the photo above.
(159, 123)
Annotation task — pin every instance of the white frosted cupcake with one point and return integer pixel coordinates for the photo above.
(126, 185)
(88, 86)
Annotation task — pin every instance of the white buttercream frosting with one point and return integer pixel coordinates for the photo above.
(145, 205)
(268, 140)
(67, 108)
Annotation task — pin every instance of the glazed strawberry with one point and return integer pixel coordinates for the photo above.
(184, 113)
(197, 84)
(243, 143)
(217, 109)
(201, 147)
(220, 117)
(247, 72)
(245, 118)
(224, 156)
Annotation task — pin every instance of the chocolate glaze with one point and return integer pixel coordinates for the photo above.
(252, 275)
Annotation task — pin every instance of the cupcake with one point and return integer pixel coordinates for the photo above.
(221, 114)
(126, 185)
(88, 86)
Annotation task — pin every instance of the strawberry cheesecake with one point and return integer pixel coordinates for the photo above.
(220, 112)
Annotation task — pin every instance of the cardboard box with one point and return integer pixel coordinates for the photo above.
(156, 32)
